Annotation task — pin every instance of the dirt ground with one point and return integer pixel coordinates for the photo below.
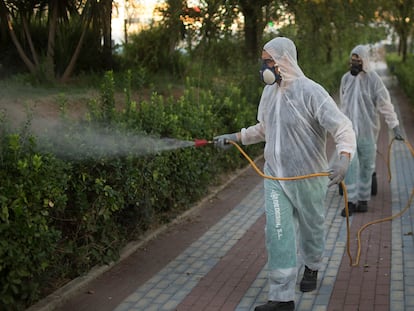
(18, 105)
(18, 102)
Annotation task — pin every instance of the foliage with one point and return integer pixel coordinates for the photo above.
(399, 15)
(328, 74)
(73, 195)
(403, 71)
(227, 52)
(148, 49)
(107, 97)
(32, 192)
(90, 60)
(337, 26)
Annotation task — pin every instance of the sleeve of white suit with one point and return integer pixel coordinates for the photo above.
(253, 134)
(339, 126)
(384, 105)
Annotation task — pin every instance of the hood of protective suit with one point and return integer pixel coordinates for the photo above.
(363, 52)
(283, 52)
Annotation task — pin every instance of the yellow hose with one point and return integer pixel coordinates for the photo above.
(345, 194)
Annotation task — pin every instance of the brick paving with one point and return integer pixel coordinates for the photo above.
(222, 265)
(367, 286)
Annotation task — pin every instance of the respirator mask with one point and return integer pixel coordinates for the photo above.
(268, 73)
(356, 67)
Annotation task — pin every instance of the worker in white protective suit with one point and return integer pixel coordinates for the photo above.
(294, 116)
(363, 96)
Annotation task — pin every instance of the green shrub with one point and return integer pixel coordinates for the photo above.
(32, 194)
(148, 49)
(403, 72)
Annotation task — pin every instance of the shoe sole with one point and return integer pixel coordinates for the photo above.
(358, 210)
(305, 289)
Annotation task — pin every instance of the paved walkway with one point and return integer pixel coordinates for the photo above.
(216, 258)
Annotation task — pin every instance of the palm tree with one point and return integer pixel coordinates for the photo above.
(55, 15)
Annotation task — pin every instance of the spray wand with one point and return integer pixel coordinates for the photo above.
(202, 142)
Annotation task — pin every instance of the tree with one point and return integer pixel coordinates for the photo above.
(256, 17)
(217, 17)
(55, 15)
(172, 22)
(212, 19)
(101, 14)
(330, 28)
(107, 32)
(399, 14)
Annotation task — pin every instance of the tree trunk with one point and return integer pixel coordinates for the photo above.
(251, 32)
(50, 54)
(402, 43)
(71, 66)
(20, 50)
(173, 23)
(254, 23)
(3, 24)
(30, 41)
(403, 40)
(107, 38)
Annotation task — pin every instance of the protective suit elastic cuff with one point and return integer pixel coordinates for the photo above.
(352, 153)
(242, 135)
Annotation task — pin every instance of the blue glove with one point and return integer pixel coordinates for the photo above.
(338, 170)
(222, 140)
(397, 133)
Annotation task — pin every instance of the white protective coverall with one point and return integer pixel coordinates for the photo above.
(293, 120)
(362, 98)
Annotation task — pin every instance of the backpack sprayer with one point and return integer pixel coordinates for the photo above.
(204, 142)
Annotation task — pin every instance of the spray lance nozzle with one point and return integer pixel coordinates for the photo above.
(202, 142)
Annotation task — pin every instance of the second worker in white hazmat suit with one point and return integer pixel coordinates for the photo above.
(363, 96)
(294, 116)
